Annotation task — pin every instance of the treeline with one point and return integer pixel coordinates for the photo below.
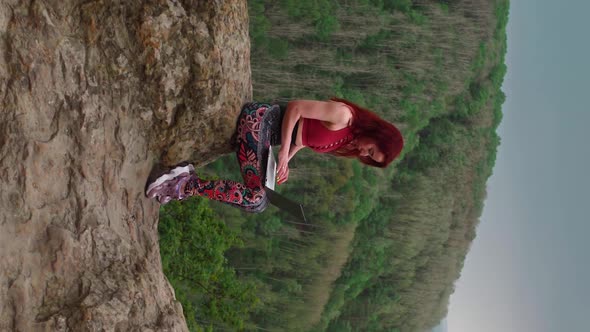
(424, 230)
(192, 246)
(385, 246)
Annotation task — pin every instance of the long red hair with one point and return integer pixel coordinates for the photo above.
(367, 124)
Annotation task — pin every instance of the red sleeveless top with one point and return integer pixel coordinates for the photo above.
(321, 139)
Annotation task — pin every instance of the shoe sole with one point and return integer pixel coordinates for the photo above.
(170, 175)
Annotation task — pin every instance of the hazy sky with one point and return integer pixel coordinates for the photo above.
(529, 267)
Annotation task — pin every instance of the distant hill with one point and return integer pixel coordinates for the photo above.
(435, 69)
(386, 246)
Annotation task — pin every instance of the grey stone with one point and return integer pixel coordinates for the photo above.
(94, 94)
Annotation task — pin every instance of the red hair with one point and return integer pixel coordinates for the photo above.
(367, 124)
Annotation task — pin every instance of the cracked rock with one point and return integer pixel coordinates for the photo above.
(94, 94)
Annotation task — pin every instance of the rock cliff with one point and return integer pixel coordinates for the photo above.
(93, 94)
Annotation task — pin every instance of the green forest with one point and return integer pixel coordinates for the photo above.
(384, 246)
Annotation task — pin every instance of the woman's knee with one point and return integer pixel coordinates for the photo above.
(259, 204)
(259, 207)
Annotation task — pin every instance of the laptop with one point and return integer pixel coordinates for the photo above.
(276, 199)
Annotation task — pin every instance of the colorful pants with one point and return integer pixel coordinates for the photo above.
(258, 127)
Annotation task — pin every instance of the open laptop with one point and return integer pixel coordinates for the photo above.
(274, 197)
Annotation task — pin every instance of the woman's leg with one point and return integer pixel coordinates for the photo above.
(257, 123)
(253, 135)
(253, 140)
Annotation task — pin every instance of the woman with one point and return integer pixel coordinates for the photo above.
(337, 126)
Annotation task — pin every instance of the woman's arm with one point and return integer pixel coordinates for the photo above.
(333, 113)
(284, 175)
(293, 150)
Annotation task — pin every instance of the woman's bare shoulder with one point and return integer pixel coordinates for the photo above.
(333, 112)
(344, 108)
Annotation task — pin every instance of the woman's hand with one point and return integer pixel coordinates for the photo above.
(283, 166)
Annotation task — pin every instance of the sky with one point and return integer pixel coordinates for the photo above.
(528, 269)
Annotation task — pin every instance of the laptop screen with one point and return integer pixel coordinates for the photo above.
(276, 199)
(271, 170)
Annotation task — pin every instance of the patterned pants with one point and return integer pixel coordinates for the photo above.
(258, 127)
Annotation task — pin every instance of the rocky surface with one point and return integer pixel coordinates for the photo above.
(93, 94)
